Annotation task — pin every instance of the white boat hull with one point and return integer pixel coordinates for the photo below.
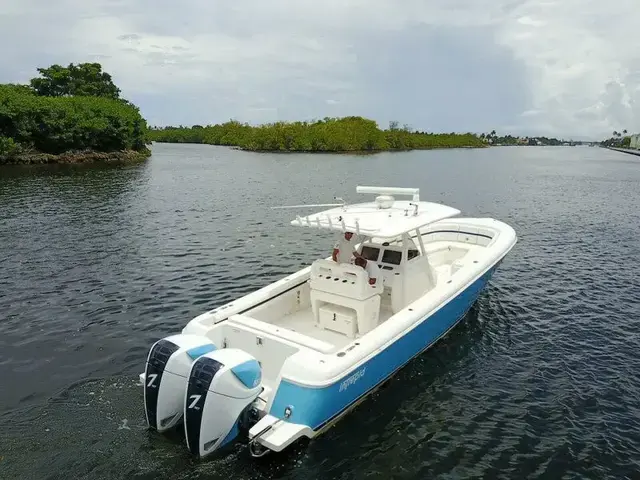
(315, 369)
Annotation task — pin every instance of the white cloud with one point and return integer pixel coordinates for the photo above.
(583, 61)
(258, 61)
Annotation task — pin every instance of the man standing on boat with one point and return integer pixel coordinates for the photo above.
(345, 249)
(371, 268)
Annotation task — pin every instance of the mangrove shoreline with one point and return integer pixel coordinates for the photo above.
(77, 157)
(74, 115)
(353, 135)
(70, 115)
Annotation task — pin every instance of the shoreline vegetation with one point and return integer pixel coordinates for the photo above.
(75, 114)
(336, 135)
(74, 157)
(329, 135)
(619, 140)
(70, 114)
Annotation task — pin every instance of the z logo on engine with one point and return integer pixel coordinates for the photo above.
(194, 403)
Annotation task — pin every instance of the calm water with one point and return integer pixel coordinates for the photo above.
(541, 380)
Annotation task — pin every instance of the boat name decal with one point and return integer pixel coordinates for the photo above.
(352, 379)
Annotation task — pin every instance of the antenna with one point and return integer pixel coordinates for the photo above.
(415, 192)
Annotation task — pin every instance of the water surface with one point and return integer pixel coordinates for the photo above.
(541, 380)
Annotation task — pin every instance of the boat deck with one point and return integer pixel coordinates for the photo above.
(302, 322)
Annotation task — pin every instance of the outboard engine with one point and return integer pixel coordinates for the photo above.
(223, 384)
(165, 377)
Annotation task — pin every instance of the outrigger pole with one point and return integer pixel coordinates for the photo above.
(310, 205)
(314, 205)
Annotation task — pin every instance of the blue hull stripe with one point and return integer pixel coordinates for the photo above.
(316, 407)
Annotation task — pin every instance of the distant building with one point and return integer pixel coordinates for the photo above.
(635, 141)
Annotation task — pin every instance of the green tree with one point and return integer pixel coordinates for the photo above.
(8, 147)
(348, 134)
(60, 124)
(84, 79)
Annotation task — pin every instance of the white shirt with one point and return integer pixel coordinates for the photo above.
(373, 270)
(345, 249)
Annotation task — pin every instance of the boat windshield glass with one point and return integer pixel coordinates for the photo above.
(370, 253)
(391, 256)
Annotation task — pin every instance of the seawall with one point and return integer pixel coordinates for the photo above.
(632, 151)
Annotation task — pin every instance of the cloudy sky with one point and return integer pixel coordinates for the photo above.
(567, 68)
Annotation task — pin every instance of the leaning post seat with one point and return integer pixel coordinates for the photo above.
(337, 289)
